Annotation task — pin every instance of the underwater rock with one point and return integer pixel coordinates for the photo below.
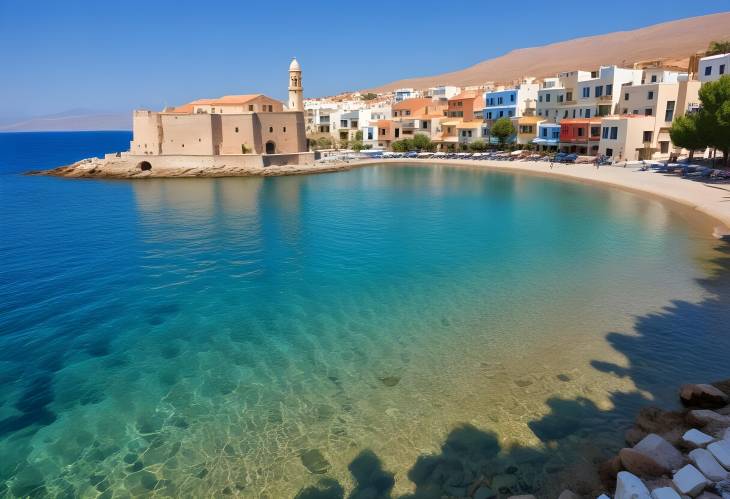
(563, 377)
(390, 380)
(314, 461)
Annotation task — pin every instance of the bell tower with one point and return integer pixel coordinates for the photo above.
(296, 97)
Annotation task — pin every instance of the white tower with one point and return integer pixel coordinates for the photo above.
(296, 98)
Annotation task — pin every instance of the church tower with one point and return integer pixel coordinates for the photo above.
(296, 98)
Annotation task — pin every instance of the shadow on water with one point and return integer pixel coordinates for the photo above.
(570, 453)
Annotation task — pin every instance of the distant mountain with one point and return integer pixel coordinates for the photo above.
(672, 42)
(73, 120)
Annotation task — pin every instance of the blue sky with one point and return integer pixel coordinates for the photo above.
(118, 55)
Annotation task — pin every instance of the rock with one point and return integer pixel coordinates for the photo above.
(721, 451)
(455, 491)
(390, 380)
(690, 481)
(703, 396)
(702, 417)
(634, 435)
(629, 486)
(696, 438)
(661, 451)
(504, 483)
(723, 488)
(665, 493)
(603, 496)
(608, 470)
(484, 492)
(708, 465)
(568, 494)
(641, 464)
(314, 461)
(708, 495)
(530, 496)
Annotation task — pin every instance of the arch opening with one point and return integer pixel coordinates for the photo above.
(270, 147)
(144, 166)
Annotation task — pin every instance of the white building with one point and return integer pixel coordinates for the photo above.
(511, 102)
(402, 94)
(556, 92)
(599, 95)
(443, 92)
(713, 67)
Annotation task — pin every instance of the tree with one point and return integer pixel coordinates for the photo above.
(503, 129)
(359, 146)
(713, 118)
(369, 96)
(684, 133)
(358, 135)
(404, 145)
(478, 145)
(324, 142)
(422, 142)
(718, 47)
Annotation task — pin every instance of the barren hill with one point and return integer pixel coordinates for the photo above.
(672, 42)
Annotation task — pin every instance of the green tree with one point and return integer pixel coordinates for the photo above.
(684, 133)
(422, 142)
(713, 118)
(404, 145)
(369, 96)
(718, 47)
(359, 146)
(503, 129)
(358, 135)
(478, 145)
(324, 142)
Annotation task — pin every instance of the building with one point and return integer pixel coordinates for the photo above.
(557, 93)
(629, 137)
(548, 136)
(443, 92)
(599, 95)
(402, 94)
(527, 128)
(510, 102)
(464, 105)
(250, 126)
(713, 67)
(580, 136)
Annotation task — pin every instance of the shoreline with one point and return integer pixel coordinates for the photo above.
(712, 200)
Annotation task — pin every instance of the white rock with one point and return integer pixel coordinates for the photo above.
(665, 493)
(697, 438)
(690, 481)
(603, 496)
(661, 451)
(708, 465)
(721, 451)
(630, 486)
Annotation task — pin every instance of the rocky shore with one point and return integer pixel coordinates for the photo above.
(675, 454)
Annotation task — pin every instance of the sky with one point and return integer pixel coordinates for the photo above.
(120, 55)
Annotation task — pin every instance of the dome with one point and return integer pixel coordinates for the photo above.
(294, 66)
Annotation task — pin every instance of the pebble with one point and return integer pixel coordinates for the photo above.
(721, 451)
(629, 486)
(697, 438)
(690, 481)
(661, 451)
(708, 465)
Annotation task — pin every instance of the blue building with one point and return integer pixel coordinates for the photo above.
(500, 104)
(548, 136)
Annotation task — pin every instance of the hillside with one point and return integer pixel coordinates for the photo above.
(673, 42)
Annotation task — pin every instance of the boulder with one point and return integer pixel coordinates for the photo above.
(608, 470)
(690, 481)
(703, 396)
(708, 465)
(721, 451)
(661, 451)
(665, 493)
(641, 464)
(702, 417)
(708, 495)
(603, 496)
(696, 438)
(634, 435)
(629, 486)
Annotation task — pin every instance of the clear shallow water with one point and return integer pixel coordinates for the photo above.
(254, 337)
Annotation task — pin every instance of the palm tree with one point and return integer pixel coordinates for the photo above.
(718, 47)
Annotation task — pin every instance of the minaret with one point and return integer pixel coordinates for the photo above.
(296, 98)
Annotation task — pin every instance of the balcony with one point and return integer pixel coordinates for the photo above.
(605, 98)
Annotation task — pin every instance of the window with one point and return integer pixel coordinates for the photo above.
(283, 129)
(586, 92)
(626, 96)
(580, 132)
(511, 113)
(588, 113)
(599, 90)
(547, 98)
(250, 107)
(236, 129)
(664, 146)
(568, 95)
(271, 129)
(573, 113)
(614, 132)
(370, 134)
(539, 98)
(560, 98)
(489, 115)
(544, 132)
(647, 111)
(625, 111)
(650, 95)
(669, 113)
(595, 131)
(343, 123)
(499, 100)
(647, 136)
(708, 70)
(501, 113)
(271, 109)
(604, 134)
(424, 124)
(512, 97)
(609, 89)
(653, 78)
(722, 69)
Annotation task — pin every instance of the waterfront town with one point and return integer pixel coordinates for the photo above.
(620, 113)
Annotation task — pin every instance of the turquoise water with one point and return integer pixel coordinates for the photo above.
(254, 337)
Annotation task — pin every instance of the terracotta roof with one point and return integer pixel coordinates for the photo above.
(226, 100)
(384, 123)
(470, 124)
(466, 96)
(411, 104)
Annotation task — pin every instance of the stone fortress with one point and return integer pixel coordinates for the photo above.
(233, 131)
